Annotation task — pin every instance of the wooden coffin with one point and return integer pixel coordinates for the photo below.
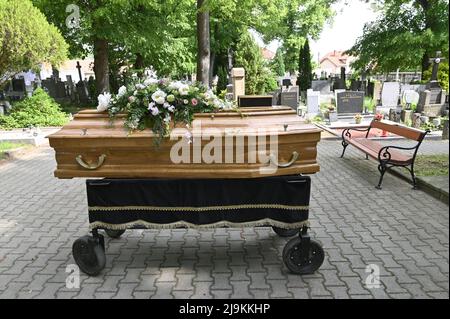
(93, 146)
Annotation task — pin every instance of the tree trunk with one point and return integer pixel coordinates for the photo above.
(203, 41)
(101, 65)
(139, 64)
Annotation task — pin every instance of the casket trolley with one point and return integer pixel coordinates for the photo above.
(140, 196)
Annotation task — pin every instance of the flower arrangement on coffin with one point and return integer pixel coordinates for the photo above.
(358, 118)
(156, 103)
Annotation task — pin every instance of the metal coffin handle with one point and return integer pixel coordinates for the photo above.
(83, 164)
(273, 160)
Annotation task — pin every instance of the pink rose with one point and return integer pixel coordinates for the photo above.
(194, 101)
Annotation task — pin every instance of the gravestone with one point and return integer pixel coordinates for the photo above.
(83, 93)
(286, 83)
(49, 86)
(355, 85)
(410, 97)
(390, 94)
(312, 102)
(238, 81)
(18, 85)
(323, 86)
(431, 105)
(254, 100)
(336, 93)
(432, 101)
(276, 97)
(60, 90)
(290, 99)
(350, 102)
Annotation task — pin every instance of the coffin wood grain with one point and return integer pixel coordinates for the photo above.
(134, 155)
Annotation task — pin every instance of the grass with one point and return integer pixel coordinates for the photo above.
(7, 146)
(431, 165)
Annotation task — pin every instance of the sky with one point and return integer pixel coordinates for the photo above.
(345, 28)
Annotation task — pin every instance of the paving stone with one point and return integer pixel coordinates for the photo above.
(357, 226)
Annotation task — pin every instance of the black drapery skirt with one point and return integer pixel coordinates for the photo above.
(199, 203)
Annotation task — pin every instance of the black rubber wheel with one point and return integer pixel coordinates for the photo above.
(285, 232)
(114, 233)
(293, 261)
(89, 255)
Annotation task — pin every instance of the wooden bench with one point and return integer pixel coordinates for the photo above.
(387, 156)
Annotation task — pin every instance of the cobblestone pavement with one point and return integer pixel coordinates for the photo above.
(404, 232)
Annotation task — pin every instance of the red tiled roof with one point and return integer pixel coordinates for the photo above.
(338, 58)
(267, 54)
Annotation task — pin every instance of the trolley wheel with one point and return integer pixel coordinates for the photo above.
(297, 265)
(112, 233)
(89, 254)
(285, 232)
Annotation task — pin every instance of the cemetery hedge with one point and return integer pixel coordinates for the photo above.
(38, 110)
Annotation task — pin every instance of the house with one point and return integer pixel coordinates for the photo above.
(267, 54)
(332, 62)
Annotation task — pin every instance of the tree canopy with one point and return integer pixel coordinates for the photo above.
(405, 36)
(26, 39)
(162, 34)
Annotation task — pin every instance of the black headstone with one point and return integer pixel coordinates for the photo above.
(290, 99)
(350, 102)
(256, 100)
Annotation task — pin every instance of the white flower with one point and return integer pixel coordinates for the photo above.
(122, 91)
(175, 85)
(153, 109)
(150, 81)
(140, 86)
(171, 108)
(166, 105)
(186, 102)
(104, 101)
(184, 90)
(159, 97)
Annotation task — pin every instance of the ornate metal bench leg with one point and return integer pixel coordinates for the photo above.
(382, 170)
(413, 176)
(344, 144)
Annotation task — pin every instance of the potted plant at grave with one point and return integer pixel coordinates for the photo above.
(332, 114)
(358, 118)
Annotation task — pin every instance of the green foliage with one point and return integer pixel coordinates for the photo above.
(258, 77)
(405, 35)
(305, 69)
(442, 75)
(37, 110)
(277, 64)
(223, 79)
(369, 104)
(26, 39)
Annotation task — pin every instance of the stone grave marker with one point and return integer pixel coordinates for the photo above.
(238, 82)
(390, 94)
(254, 100)
(312, 102)
(410, 97)
(350, 102)
(323, 86)
(290, 99)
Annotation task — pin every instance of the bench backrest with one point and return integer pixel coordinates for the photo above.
(399, 129)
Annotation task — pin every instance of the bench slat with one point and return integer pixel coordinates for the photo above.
(372, 148)
(398, 129)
